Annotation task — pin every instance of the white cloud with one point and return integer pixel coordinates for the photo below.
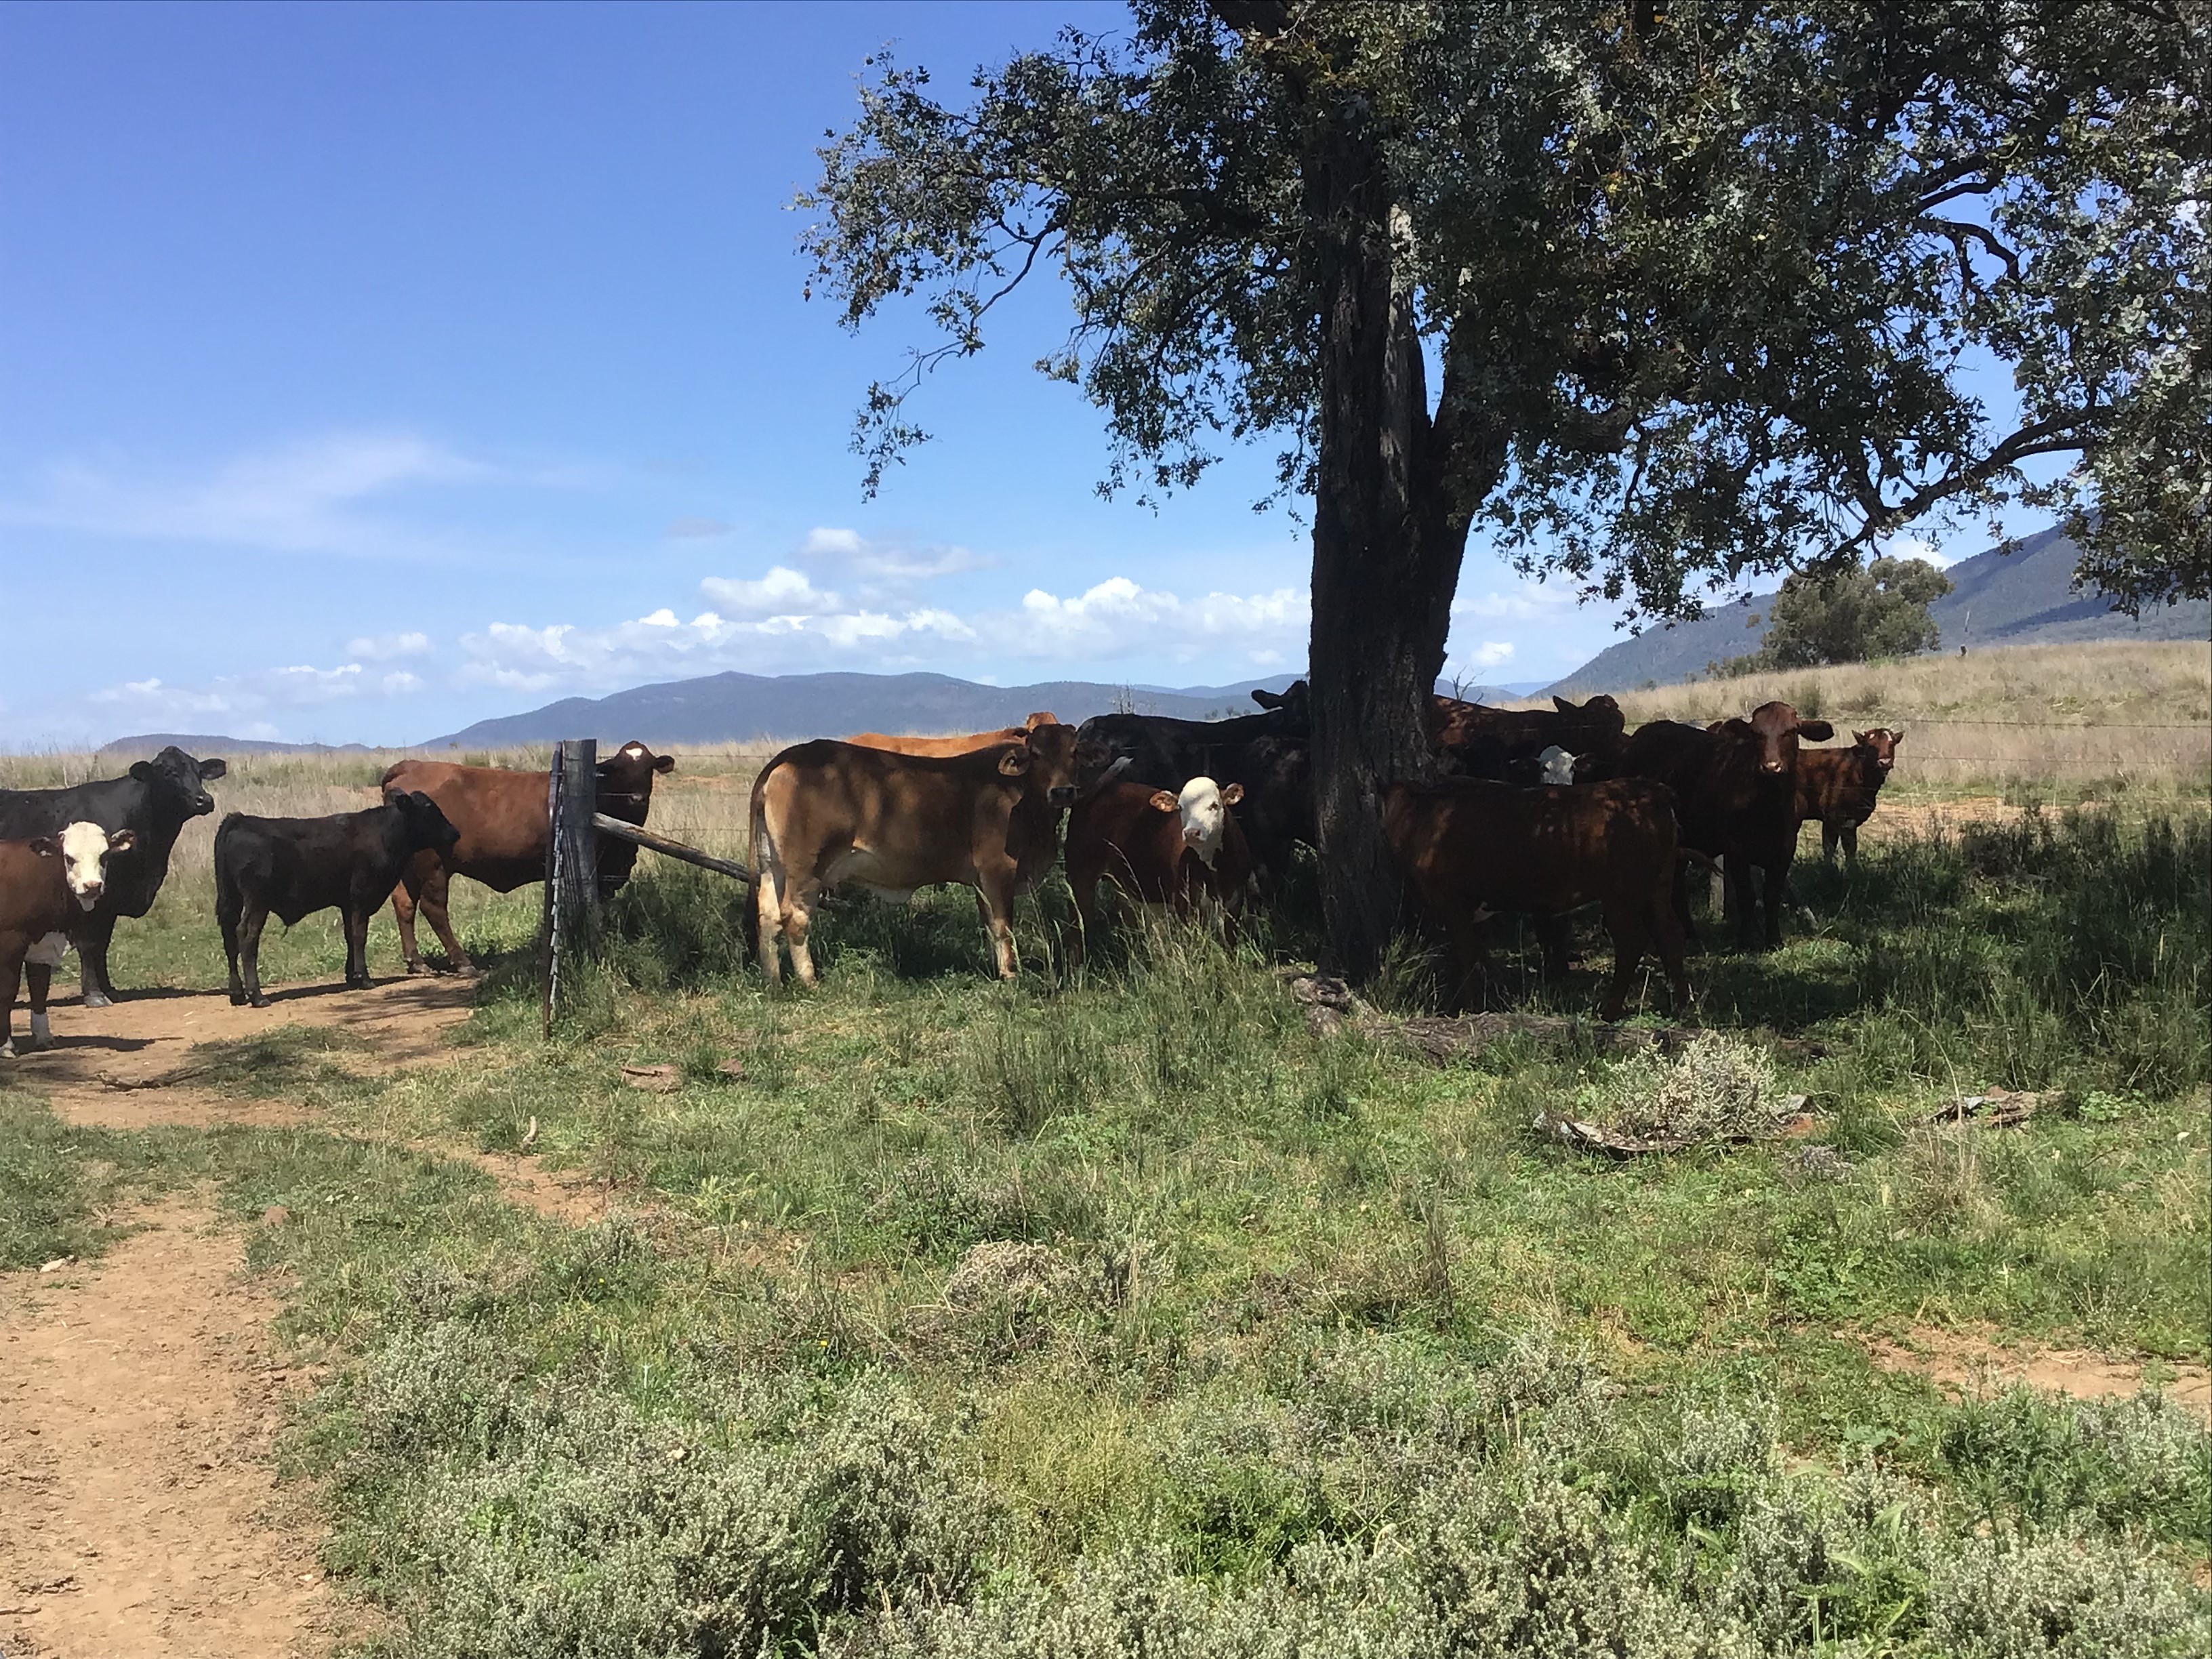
(299, 686)
(1118, 618)
(384, 648)
(890, 563)
(823, 539)
(303, 497)
(782, 592)
(1918, 547)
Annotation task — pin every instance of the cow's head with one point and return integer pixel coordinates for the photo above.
(1294, 703)
(83, 849)
(1880, 744)
(178, 782)
(627, 775)
(1043, 717)
(1597, 723)
(1556, 766)
(1203, 806)
(1774, 730)
(1053, 763)
(427, 828)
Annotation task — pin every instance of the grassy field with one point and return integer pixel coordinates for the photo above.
(1127, 1315)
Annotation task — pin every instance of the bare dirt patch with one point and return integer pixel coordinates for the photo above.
(111, 1067)
(1970, 1364)
(137, 1402)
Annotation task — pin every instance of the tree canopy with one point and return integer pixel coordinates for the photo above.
(1700, 284)
(1850, 615)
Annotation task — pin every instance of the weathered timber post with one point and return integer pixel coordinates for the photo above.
(571, 864)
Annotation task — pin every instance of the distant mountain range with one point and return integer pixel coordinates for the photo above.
(2022, 598)
(203, 743)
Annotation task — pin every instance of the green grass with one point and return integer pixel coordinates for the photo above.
(1123, 1313)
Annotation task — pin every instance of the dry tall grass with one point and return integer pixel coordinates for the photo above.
(2134, 713)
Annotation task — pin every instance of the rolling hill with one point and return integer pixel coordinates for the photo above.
(2022, 598)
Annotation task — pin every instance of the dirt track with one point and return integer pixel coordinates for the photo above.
(138, 1395)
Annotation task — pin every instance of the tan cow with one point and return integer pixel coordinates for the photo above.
(827, 814)
(502, 816)
(961, 744)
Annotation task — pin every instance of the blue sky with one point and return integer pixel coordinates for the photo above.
(365, 371)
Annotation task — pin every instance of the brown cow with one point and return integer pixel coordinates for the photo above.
(1160, 848)
(1472, 848)
(47, 885)
(1481, 739)
(1837, 787)
(960, 744)
(502, 816)
(1735, 792)
(826, 813)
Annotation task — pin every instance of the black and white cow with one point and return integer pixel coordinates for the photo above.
(348, 861)
(154, 802)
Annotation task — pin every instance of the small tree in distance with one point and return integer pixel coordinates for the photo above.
(1851, 615)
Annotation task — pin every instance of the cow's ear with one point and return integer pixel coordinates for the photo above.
(1015, 762)
(664, 765)
(1819, 730)
(213, 769)
(45, 847)
(1161, 801)
(143, 771)
(121, 841)
(1734, 728)
(1564, 706)
(1265, 698)
(1863, 738)
(1232, 794)
(1896, 738)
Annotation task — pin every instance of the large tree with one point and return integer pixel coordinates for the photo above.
(1666, 296)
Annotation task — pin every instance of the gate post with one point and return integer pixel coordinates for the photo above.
(571, 864)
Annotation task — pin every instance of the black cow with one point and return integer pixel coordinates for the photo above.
(1265, 753)
(295, 867)
(153, 803)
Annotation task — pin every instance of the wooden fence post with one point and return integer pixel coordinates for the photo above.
(571, 864)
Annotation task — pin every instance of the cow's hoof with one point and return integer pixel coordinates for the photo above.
(41, 1041)
(238, 999)
(98, 1000)
(8, 1049)
(416, 970)
(259, 1002)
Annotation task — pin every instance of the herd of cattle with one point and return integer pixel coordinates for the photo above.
(1538, 811)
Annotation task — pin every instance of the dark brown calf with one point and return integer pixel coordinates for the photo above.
(1160, 848)
(502, 816)
(1736, 791)
(1472, 849)
(1837, 787)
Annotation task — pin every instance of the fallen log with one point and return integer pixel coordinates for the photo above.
(674, 849)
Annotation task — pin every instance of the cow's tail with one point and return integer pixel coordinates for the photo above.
(767, 873)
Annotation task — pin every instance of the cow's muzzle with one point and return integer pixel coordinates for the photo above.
(88, 895)
(1061, 794)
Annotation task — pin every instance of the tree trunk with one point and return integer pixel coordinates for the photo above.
(1386, 552)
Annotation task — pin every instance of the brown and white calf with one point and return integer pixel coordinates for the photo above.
(47, 885)
(1161, 849)
(1837, 787)
(827, 814)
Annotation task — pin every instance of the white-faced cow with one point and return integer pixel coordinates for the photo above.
(153, 801)
(828, 814)
(48, 885)
(1160, 848)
